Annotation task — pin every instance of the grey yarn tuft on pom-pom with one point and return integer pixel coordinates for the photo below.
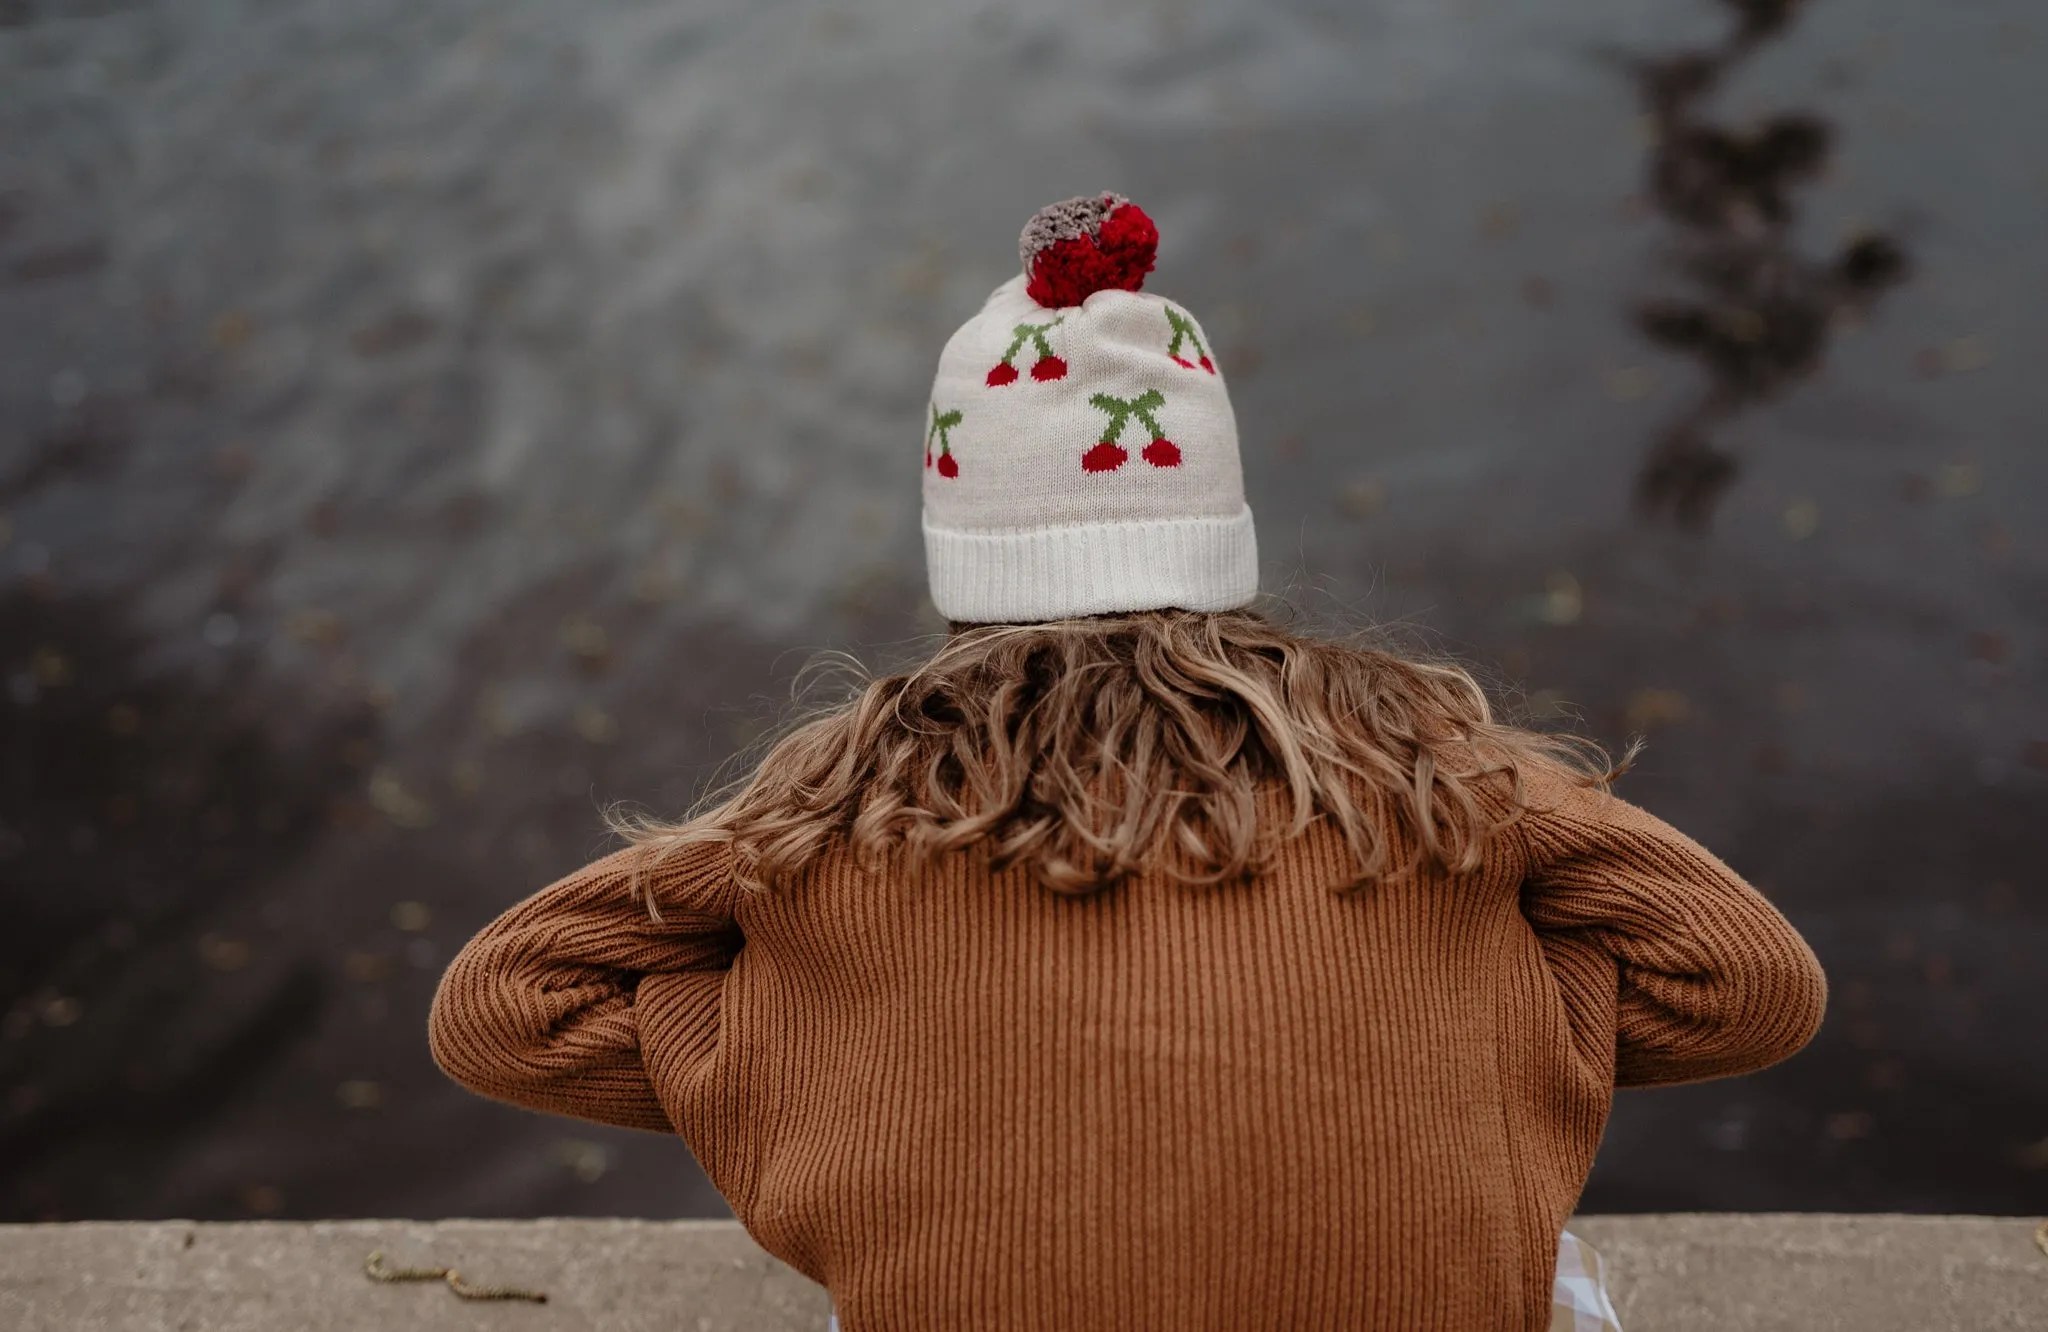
(1080, 216)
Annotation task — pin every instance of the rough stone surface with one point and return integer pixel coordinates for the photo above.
(1681, 1273)
(679, 1276)
(1822, 1273)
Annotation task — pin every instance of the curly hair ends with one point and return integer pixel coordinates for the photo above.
(1086, 749)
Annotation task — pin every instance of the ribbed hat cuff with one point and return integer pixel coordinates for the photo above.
(1057, 573)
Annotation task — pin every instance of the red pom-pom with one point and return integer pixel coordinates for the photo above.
(1074, 249)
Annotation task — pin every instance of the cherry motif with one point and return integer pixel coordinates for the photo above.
(941, 429)
(1184, 332)
(1045, 366)
(1162, 453)
(1104, 457)
(1107, 455)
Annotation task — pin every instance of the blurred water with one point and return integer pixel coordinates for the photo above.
(420, 422)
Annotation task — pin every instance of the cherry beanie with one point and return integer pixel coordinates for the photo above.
(1080, 451)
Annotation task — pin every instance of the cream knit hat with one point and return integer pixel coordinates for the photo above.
(1080, 451)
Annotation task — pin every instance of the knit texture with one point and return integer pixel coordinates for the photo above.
(1083, 460)
(967, 1102)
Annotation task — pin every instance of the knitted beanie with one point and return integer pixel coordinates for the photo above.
(1080, 451)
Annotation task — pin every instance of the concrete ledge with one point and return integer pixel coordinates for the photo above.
(1797, 1273)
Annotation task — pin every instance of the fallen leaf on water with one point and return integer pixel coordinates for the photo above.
(588, 1160)
(360, 1094)
(466, 776)
(1630, 383)
(396, 802)
(230, 330)
(1564, 600)
(317, 627)
(596, 725)
(586, 638)
(1362, 498)
(222, 953)
(1959, 480)
(1656, 707)
(1971, 352)
(262, 1199)
(1851, 1125)
(52, 668)
(1989, 647)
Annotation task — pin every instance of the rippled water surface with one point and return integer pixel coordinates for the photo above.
(423, 422)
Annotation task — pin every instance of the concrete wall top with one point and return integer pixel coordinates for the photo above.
(1732, 1273)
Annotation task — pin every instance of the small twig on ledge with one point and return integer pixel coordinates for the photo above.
(375, 1269)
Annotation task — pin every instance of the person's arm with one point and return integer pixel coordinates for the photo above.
(1699, 976)
(540, 1008)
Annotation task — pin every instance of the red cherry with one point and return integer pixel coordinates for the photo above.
(1209, 365)
(1048, 367)
(947, 467)
(927, 457)
(1163, 453)
(1004, 373)
(1183, 364)
(1104, 457)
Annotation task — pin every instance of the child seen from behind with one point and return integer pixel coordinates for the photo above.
(1136, 962)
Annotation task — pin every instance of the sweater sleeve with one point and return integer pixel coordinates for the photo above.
(1699, 976)
(539, 1009)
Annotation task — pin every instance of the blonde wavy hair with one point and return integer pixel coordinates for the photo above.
(1083, 748)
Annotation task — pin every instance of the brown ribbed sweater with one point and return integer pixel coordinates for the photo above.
(969, 1103)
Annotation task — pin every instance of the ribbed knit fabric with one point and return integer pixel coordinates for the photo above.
(966, 1102)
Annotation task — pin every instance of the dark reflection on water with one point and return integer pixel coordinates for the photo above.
(137, 809)
(1761, 312)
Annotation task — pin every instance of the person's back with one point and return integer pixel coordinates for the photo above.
(1133, 965)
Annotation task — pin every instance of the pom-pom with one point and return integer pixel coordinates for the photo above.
(1073, 249)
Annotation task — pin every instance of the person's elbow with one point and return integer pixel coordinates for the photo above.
(1765, 1003)
(1785, 1002)
(473, 1031)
